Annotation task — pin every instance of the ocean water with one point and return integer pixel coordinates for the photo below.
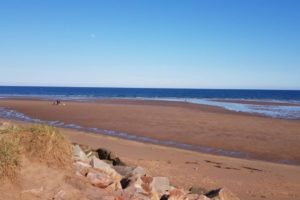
(197, 96)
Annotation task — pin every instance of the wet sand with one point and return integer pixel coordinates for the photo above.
(257, 137)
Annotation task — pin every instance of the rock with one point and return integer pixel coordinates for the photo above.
(161, 185)
(90, 154)
(125, 182)
(85, 148)
(81, 164)
(124, 171)
(84, 187)
(139, 171)
(197, 190)
(101, 165)
(135, 184)
(105, 154)
(149, 186)
(79, 153)
(99, 179)
(164, 197)
(117, 161)
(175, 194)
(81, 168)
(145, 184)
(110, 162)
(221, 194)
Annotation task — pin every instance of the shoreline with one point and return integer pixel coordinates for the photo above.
(148, 140)
(113, 121)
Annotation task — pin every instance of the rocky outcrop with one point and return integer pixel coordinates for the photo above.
(102, 169)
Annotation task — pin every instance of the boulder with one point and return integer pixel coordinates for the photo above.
(106, 168)
(125, 182)
(160, 185)
(91, 153)
(124, 171)
(117, 161)
(175, 194)
(105, 154)
(134, 193)
(145, 183)
(81, 168)
(99, 179)
(139, 171)
(79, 153)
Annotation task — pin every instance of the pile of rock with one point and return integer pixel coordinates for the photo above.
(102, 169)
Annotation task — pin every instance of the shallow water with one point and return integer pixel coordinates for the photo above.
(274, 111)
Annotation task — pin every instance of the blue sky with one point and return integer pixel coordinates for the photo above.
(151, 43)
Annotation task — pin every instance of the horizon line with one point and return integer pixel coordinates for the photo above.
(120, 87)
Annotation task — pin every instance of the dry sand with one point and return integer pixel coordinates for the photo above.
(188, 123)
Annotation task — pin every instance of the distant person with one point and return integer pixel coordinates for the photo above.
(57, 102)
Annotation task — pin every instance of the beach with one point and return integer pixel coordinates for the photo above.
(263, 138)
(216, 130)
(248, 179)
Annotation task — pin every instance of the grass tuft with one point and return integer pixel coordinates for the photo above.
(40, 143)
(9, 157)
(46, 144)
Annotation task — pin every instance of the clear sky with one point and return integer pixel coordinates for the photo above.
(151, 43)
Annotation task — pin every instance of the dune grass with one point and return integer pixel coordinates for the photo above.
(39, 143)
(46, 144)
(9, 156)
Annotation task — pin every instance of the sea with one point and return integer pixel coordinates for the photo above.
(284, 104)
